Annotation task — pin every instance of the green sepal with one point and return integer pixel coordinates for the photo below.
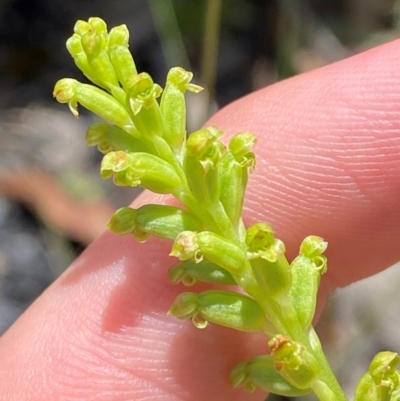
(189, 273)
(307, 269)
(313, 246)
(96, 100)
(120, 56)
(159, 220)
(294, 362)
(260, 372)
(211, 246)
(132, 169)
(241, 145)
(173, 106)
(226, 308)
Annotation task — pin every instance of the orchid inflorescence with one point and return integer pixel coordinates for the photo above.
(144, 143)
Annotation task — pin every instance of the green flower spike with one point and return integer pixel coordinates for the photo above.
(226, 308)
(189, 273)
(260, 372)
(173, 106)
(270, 266)
(306, 270)
(294, 362)
(132, 169)
(217, 249)
(96, 100)
(144, 142)
(382, 381)
(159, 220)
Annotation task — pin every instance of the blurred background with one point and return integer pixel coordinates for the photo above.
(52, 202)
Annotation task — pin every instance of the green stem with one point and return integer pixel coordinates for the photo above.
(326, 374)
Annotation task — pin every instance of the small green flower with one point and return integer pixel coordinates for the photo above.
(225, 308)
(132, 169)
(294, 362)
(269, 264)
(307, 269)
(173, 106)
(189, 273)
(260, 372)
(71, 91)
(211, 246)
(159, 220)
(120, 56)
(382, 381)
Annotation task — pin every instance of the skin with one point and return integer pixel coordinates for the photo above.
(328, 164)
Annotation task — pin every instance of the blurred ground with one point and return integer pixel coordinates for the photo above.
(52, 202)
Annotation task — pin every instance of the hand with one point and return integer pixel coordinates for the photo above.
(328, 164)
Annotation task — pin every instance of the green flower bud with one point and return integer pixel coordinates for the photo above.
(132, 169)
(158, 220)
(294, 362)
(74, 47)
(189, 273)
(100, 26)
(93, 46)
(217, 249)
(141, 100)
(173, 106)
(81, 27)
(232, 180)
(226, 308)
(123, 221)
(94, 99)
(241, 144)
(120, 56)
(306, 270)
(260, 372)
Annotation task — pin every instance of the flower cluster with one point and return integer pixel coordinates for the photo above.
(144, 142)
